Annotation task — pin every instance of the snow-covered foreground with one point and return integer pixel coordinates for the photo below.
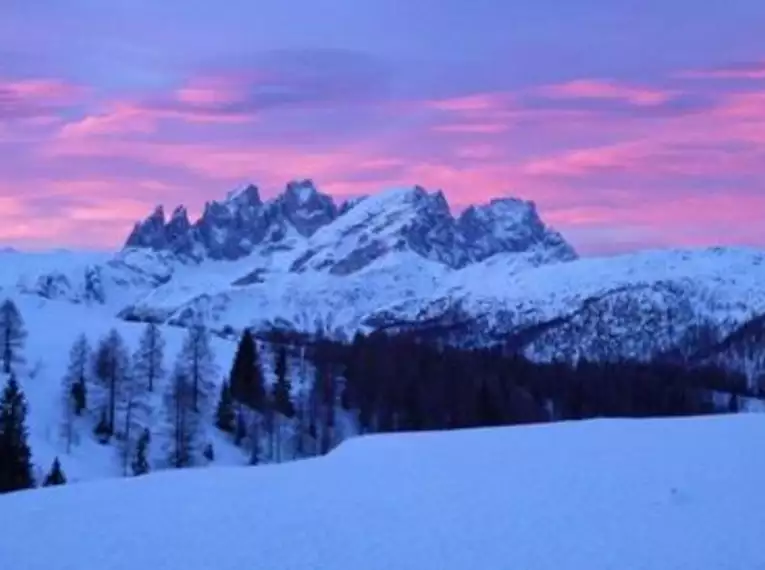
(633, 494)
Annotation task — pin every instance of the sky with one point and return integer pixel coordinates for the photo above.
(632, 124)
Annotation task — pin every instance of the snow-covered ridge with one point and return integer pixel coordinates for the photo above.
(648, 494)
(365, 229)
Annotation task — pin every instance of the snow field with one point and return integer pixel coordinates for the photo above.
(607, 494)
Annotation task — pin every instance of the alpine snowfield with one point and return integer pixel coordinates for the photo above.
(598, 495)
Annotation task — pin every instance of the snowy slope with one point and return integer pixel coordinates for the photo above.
(630, 305)
(600, 495)
(52, 327)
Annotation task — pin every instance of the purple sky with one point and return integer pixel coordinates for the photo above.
(632, 124)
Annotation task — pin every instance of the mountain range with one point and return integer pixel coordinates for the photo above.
(401, 260)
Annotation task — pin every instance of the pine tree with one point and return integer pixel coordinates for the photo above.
(225, 418)
(198, 363)
(76, 378)
(74, 390)
(136, 413)
(246, 377)
(282, 389)
(111, 370)
(281, 399)
(148, 360)
(12, 336)
(140, 464)
(15, 455)
(55, 476)
(300, 412)
(184, 426)
(324, 396)
(68, 425)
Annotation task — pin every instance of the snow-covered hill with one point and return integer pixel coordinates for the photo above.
(647, 495)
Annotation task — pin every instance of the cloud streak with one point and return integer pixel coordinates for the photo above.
(36, 98)
(615, 164)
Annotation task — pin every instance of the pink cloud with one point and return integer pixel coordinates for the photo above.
(36, 101)
(748, 71)
(81, 212)
(45, 90)
(211, 91)
(120, 119)
(472, 128)
(582, 162)
(598, 89)
(476, 102)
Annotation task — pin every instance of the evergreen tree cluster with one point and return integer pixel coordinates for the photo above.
(398, 383)
(118, 390)
(250, 410)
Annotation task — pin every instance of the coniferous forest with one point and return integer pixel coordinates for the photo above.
(315, 393)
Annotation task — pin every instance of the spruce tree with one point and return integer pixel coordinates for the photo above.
(75, 380)
(12, 336)
(240, 432)
(140, 464)
(55, 476)
(246, 377)
(148, 361)
(136, 417)
(225, 418)
(111, 370)
(74, 390)
(281, 399)
(282, 389)
(198, 363)
(15, 455)
(184, 425)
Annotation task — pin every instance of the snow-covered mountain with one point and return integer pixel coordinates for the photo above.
(345, 239)
(400, 259)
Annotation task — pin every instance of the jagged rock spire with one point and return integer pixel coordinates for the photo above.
(367, 229)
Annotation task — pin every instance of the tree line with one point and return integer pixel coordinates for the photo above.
(301, 397)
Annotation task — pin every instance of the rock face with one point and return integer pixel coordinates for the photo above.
(343, 240)
(234, 227)
(508, 226)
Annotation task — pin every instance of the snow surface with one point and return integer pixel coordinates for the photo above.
(727, 282)
(53, 326)
(680, 494)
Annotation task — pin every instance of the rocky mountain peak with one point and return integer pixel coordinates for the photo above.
(509, 225)
(305, 208)
(346, 239)
(247, 197)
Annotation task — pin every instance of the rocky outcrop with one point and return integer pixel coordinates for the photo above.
(347, 239)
